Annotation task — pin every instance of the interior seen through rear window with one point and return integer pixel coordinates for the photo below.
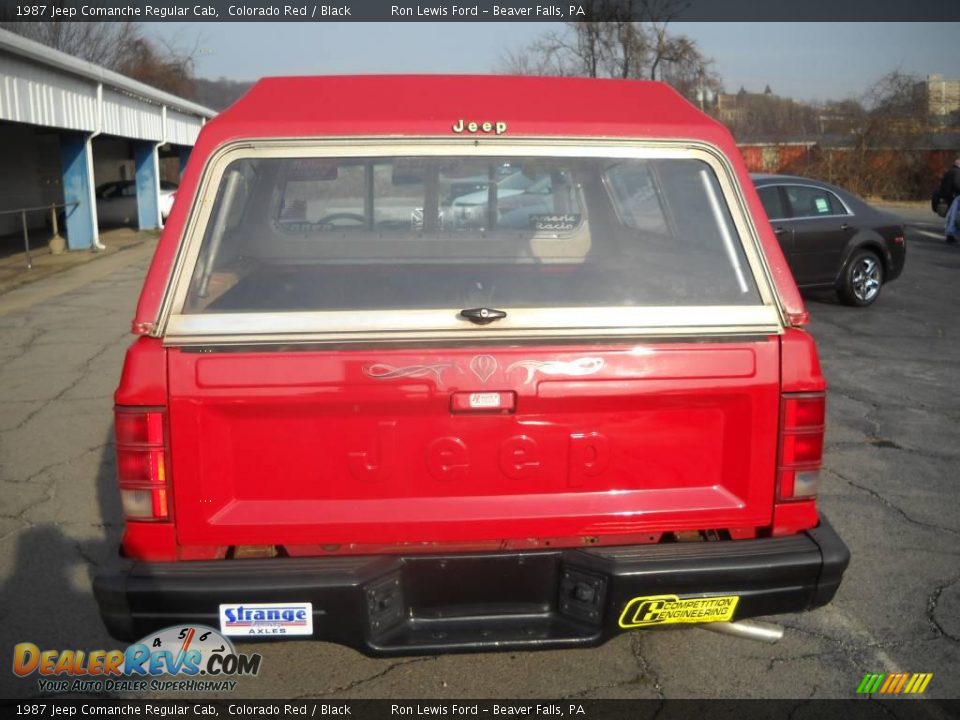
(389, 233)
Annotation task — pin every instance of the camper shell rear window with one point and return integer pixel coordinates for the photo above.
(299, 234)
(286, 233)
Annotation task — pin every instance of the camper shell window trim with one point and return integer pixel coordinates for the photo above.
(178, 328)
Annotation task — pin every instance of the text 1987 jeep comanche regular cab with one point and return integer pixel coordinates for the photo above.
(439, 364)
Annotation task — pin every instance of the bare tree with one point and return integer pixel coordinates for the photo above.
(625, 39)
(104, 43)
(580, 49)
(590, 48)
(888, 141)
(658, 14)
(161, 65)
(767, 117)
(118, 46)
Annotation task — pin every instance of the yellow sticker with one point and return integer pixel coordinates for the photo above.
(670, 609)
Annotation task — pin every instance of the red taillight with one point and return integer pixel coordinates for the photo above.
(802, 420)
(140, 466)
(801, 449)
(142, 463)
(139, 428)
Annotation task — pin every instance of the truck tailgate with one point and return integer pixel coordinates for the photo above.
(290, 446)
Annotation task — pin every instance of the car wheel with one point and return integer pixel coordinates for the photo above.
(862, 279)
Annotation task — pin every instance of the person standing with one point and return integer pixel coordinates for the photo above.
(950, 192)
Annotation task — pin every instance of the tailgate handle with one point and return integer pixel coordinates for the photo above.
(483, 402)
(482, 316)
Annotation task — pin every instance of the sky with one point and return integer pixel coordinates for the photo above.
(805, 61)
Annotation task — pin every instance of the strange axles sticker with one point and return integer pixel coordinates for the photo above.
(670, 609)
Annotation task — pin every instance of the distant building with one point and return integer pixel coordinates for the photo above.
(942, 95)
(732, 108)
(727, 109)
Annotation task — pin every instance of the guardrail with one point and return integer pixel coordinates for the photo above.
(52, 209)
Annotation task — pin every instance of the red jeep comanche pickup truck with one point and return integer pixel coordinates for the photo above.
(432, 364)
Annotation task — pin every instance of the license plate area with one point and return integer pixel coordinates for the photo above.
(479, 600)
(481, 586)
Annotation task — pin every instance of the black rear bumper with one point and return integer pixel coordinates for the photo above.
(423, 604)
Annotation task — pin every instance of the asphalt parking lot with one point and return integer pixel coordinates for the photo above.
(891, 491)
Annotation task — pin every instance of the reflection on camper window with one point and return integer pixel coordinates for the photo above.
(451, 232)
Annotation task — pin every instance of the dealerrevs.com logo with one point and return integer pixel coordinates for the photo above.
(198, 657)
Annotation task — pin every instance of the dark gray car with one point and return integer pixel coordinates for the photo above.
(831, 238)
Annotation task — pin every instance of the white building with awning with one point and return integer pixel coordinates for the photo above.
(68, 126)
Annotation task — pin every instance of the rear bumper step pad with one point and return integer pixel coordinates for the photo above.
(389, 605)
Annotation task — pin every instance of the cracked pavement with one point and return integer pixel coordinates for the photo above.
(890, 489)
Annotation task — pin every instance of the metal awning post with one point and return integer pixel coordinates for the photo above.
(26, 239)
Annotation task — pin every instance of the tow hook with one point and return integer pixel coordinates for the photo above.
(749, 629)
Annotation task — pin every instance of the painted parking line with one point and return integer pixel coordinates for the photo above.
(938, 236)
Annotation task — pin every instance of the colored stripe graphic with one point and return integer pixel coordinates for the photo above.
(894, 683)
(870, 683)
(920, 682)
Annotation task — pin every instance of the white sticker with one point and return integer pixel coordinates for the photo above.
(484, 400)
(266, 619)
(822, 205)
